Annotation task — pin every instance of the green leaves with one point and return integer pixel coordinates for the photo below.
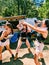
(23, 7)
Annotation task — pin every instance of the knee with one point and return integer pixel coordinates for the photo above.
(8, 48)
(41, 55)
(18, 47)
(0, 51)
(35, 56)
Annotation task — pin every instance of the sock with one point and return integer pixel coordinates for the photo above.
(16, 56)
(12, 56)
(0, 62)
(29, 50)
(43, 61)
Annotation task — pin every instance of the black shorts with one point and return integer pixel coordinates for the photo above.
(23, 39)
(23, 34)
(3, 40)
(29, 34)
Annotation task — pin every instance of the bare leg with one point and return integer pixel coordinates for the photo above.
(18, 47)
(28, 45)
(40, 55)
(7, 45)
(36, 60)
(38, 52)
(42, 58)
(8, 48)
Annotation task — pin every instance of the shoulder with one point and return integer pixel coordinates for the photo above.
(4, 33)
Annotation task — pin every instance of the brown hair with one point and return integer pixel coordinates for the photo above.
(10, 26)
(47, 23)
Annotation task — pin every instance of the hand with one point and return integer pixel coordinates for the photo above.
(5, 37)
(24, 23)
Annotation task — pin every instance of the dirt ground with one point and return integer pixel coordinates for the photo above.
(25, 57)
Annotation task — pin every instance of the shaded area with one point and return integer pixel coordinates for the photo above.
(28, 55)
(14, 45)
(12, 62)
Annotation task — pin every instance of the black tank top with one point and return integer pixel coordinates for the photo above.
(40, 38)
(3, 40)
(25, 33)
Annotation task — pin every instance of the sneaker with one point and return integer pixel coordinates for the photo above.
(42, 60)
(29, 50)
(16, 56)
(12, 56)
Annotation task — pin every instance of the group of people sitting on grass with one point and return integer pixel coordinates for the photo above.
(41, 27)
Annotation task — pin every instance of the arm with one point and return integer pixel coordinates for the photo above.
(8, 37)
(3, 35)
(1, 38)
(37, 29)
(28, 29)
(20, 26)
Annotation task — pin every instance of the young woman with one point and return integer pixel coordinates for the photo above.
(25, 31)
(43, 33)
(4, 40)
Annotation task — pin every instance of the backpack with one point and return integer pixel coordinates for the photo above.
(15, 37)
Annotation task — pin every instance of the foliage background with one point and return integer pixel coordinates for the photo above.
(24, 7)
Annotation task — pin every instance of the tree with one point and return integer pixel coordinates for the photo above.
(44, 10)
(23, 7)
